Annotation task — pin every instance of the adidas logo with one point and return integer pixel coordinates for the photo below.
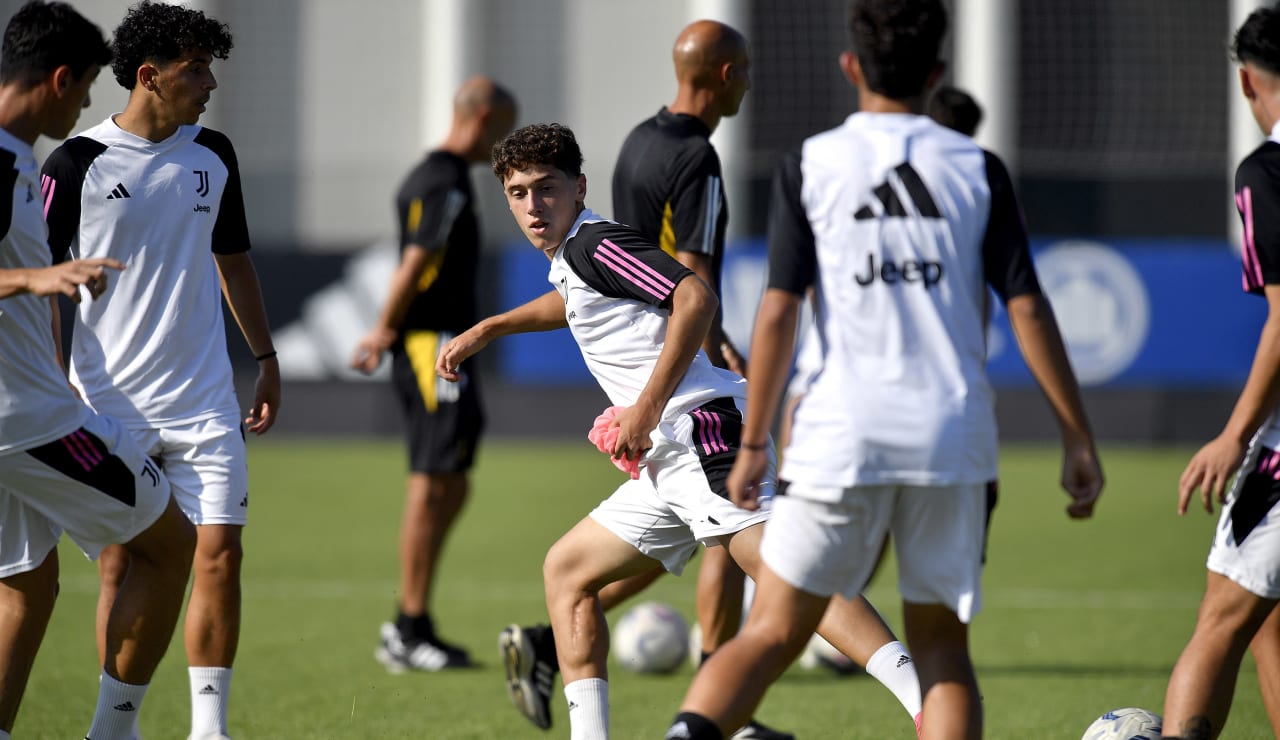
(572, 705)
(125, 707)
(244, 502)
(903, 660)
(208, 690)
(119, 191)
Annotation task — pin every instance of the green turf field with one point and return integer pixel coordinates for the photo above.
(1080, 617)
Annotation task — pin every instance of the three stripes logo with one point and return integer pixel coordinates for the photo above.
(901, 189)
(203, 188)
(119, 191)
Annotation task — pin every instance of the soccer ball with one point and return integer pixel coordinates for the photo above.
(1129, 723)
(650, 638)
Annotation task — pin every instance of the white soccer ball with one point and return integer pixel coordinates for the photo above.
(650, 638)
(1129, 723)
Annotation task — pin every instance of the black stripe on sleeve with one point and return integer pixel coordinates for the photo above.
(1260, 173)
(8, 179)
(793, 255)
(1006, 255)
(231, 232)
(64, 171)
(616, 261)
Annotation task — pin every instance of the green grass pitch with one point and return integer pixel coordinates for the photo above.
(1079, 617)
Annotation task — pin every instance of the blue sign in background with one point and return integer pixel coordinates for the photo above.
(1134, 313)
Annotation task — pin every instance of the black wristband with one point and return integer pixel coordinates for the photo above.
(267, 356)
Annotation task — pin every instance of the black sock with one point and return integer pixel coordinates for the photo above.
(690, 726)
(705, 655)
(419, 626)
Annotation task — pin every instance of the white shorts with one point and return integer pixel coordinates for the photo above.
(205, 462)
(680, 498)
(1246, 544)
(94, 483)
(826, 548)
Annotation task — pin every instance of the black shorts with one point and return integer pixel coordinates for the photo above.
(444, 419)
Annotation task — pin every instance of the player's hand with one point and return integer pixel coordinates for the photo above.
(749, 469)
(634, 424)
(368, 354)
(266, 398)
(1081, 479)
(456, 350)
(732, 359)
(1209, 471)
(67, 278)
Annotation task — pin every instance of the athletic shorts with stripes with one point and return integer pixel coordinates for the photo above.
(1246, 544)
(680, 498)
(94, 483)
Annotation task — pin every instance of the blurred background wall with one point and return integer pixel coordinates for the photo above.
(1120, 119)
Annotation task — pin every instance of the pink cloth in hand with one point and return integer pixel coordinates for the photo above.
(605, 438)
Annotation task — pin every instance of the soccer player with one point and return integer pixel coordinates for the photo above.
(639, 317)
(898, 224)
(1243, 581)
(63, 466)
(432, 297)
(154, 190)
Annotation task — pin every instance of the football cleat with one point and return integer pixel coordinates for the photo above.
(400, 654)
(529, 656)
(756, 731)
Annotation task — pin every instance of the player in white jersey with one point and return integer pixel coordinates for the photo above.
(898, 225)
(150, 187)
(1243, 582)
(62, 466)
(639, 318)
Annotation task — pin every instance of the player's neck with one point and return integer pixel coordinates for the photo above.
(697, 103)
(146, 120)
(18, 114)
(871, 102)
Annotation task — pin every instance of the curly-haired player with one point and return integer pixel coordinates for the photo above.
(154, 190)
(639, 317)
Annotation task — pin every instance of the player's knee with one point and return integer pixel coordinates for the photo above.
(220, 559)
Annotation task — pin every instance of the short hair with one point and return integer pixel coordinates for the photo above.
(955, 109)
(897, 43)
(548, 144)
(159, 32)
(43, 36)
(1258, 40)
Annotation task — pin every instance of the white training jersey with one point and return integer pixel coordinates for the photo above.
(898, 223)
(617, 287)
(153, 353)
(36, 404)
(1258, 201)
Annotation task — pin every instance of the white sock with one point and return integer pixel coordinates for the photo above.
(4, 735)
(588, 709)
(118, 707)
(210, 688)
(893, 667)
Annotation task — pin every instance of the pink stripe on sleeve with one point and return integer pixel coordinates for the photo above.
(1252, 277)
(634, 270)
(47, 186)
(91, 453)
(74, 450)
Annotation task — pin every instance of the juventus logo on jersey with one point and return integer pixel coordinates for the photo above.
(203, 176)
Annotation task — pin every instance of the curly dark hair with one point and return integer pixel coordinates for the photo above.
(897, 43)
(539, 144)
(158, 32)
(43, 36)
(1258, 40)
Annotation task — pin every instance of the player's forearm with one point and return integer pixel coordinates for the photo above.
(403, 289)
(243, 294)
(702, 267)
(1261, 391)
(14, 282)
(1042, 347)
(772, 345)
(543, 313)
(692, 307)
